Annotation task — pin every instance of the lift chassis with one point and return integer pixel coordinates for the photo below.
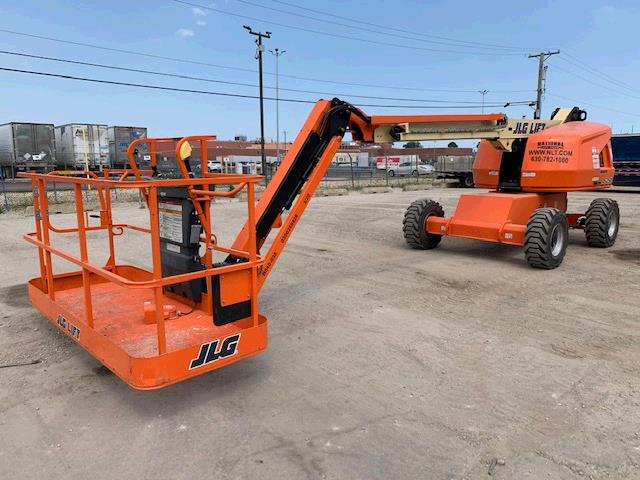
(196, 309)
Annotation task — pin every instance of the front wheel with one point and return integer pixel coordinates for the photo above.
(467, 181)
(414, 225)
(602, 221)
(546, 238)
(392, 173)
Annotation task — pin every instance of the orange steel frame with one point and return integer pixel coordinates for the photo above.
(287, 225)
(497, 216)
(69, 299)
(106, 308)
(164, 365)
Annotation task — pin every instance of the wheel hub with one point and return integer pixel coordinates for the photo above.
(557, 240)
(613, 224)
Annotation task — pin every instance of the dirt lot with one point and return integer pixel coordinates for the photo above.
(384, 362)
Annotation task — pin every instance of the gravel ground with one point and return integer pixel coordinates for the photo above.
(384, 362)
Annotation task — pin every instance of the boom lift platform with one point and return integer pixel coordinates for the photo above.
(189, 314)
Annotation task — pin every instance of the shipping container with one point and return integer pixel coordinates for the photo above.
(25, 147)
(626, 159)
(119, 139)
(82, 145)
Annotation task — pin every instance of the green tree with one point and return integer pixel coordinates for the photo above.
(412, 144)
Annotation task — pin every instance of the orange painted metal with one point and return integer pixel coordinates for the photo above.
(486, 166)
(123, 342)
(312, 124)
(120, 313)
(494, 217)
(151, 338)
(573, 156)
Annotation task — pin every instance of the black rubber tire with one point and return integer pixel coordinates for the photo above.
(392, 173)
(546, 227)
(414, 173)
(413, 224)
(598, 227)
(467, 181)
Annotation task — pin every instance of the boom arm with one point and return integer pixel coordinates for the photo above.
(305, 164)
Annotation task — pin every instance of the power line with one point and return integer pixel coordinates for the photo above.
(387, 27)
(593, 105)
(140, 85)
(227, 67)
(605, 87)
(121, 50)
(601, 76)
(598, 73)
(459, 43)
(613, 83)
(228, 82)
(222, 94)
(336, 35)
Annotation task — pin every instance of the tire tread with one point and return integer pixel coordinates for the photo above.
(537, 248)
(413, 224)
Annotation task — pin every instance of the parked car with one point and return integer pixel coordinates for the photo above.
(409, 168)
(214, 166)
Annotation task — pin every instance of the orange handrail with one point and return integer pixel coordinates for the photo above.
(110, 271)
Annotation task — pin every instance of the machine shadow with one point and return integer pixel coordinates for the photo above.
(479, 250)
(218, 385)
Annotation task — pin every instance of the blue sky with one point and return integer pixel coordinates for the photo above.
(598, 68)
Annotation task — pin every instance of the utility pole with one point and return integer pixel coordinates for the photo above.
(278, 53)
(285, 142)
(259, 36)
(483, 93)
(542, 70)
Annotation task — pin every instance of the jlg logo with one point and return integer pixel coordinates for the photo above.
(209, 352)
(524, 128)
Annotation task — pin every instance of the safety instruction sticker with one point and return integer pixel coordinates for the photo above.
(595, 156)
(170, 217)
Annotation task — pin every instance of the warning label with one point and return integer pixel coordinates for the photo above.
(595, 157)
(170, 217)
(550, 152)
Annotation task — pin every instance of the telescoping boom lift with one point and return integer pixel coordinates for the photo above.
(197, 308)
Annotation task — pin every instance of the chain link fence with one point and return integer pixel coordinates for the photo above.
(16, 195)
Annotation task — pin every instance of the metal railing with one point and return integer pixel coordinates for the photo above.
(112, 271)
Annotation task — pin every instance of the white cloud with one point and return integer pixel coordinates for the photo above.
(199, 12)
(201, 23)
(185, 32)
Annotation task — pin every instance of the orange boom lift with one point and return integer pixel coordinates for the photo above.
(190, 313)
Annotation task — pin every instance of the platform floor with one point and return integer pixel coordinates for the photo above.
(118, 314)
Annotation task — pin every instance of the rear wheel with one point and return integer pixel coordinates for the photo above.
(602, 221)
(467, 181)
(546, 238)
(414, 225)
